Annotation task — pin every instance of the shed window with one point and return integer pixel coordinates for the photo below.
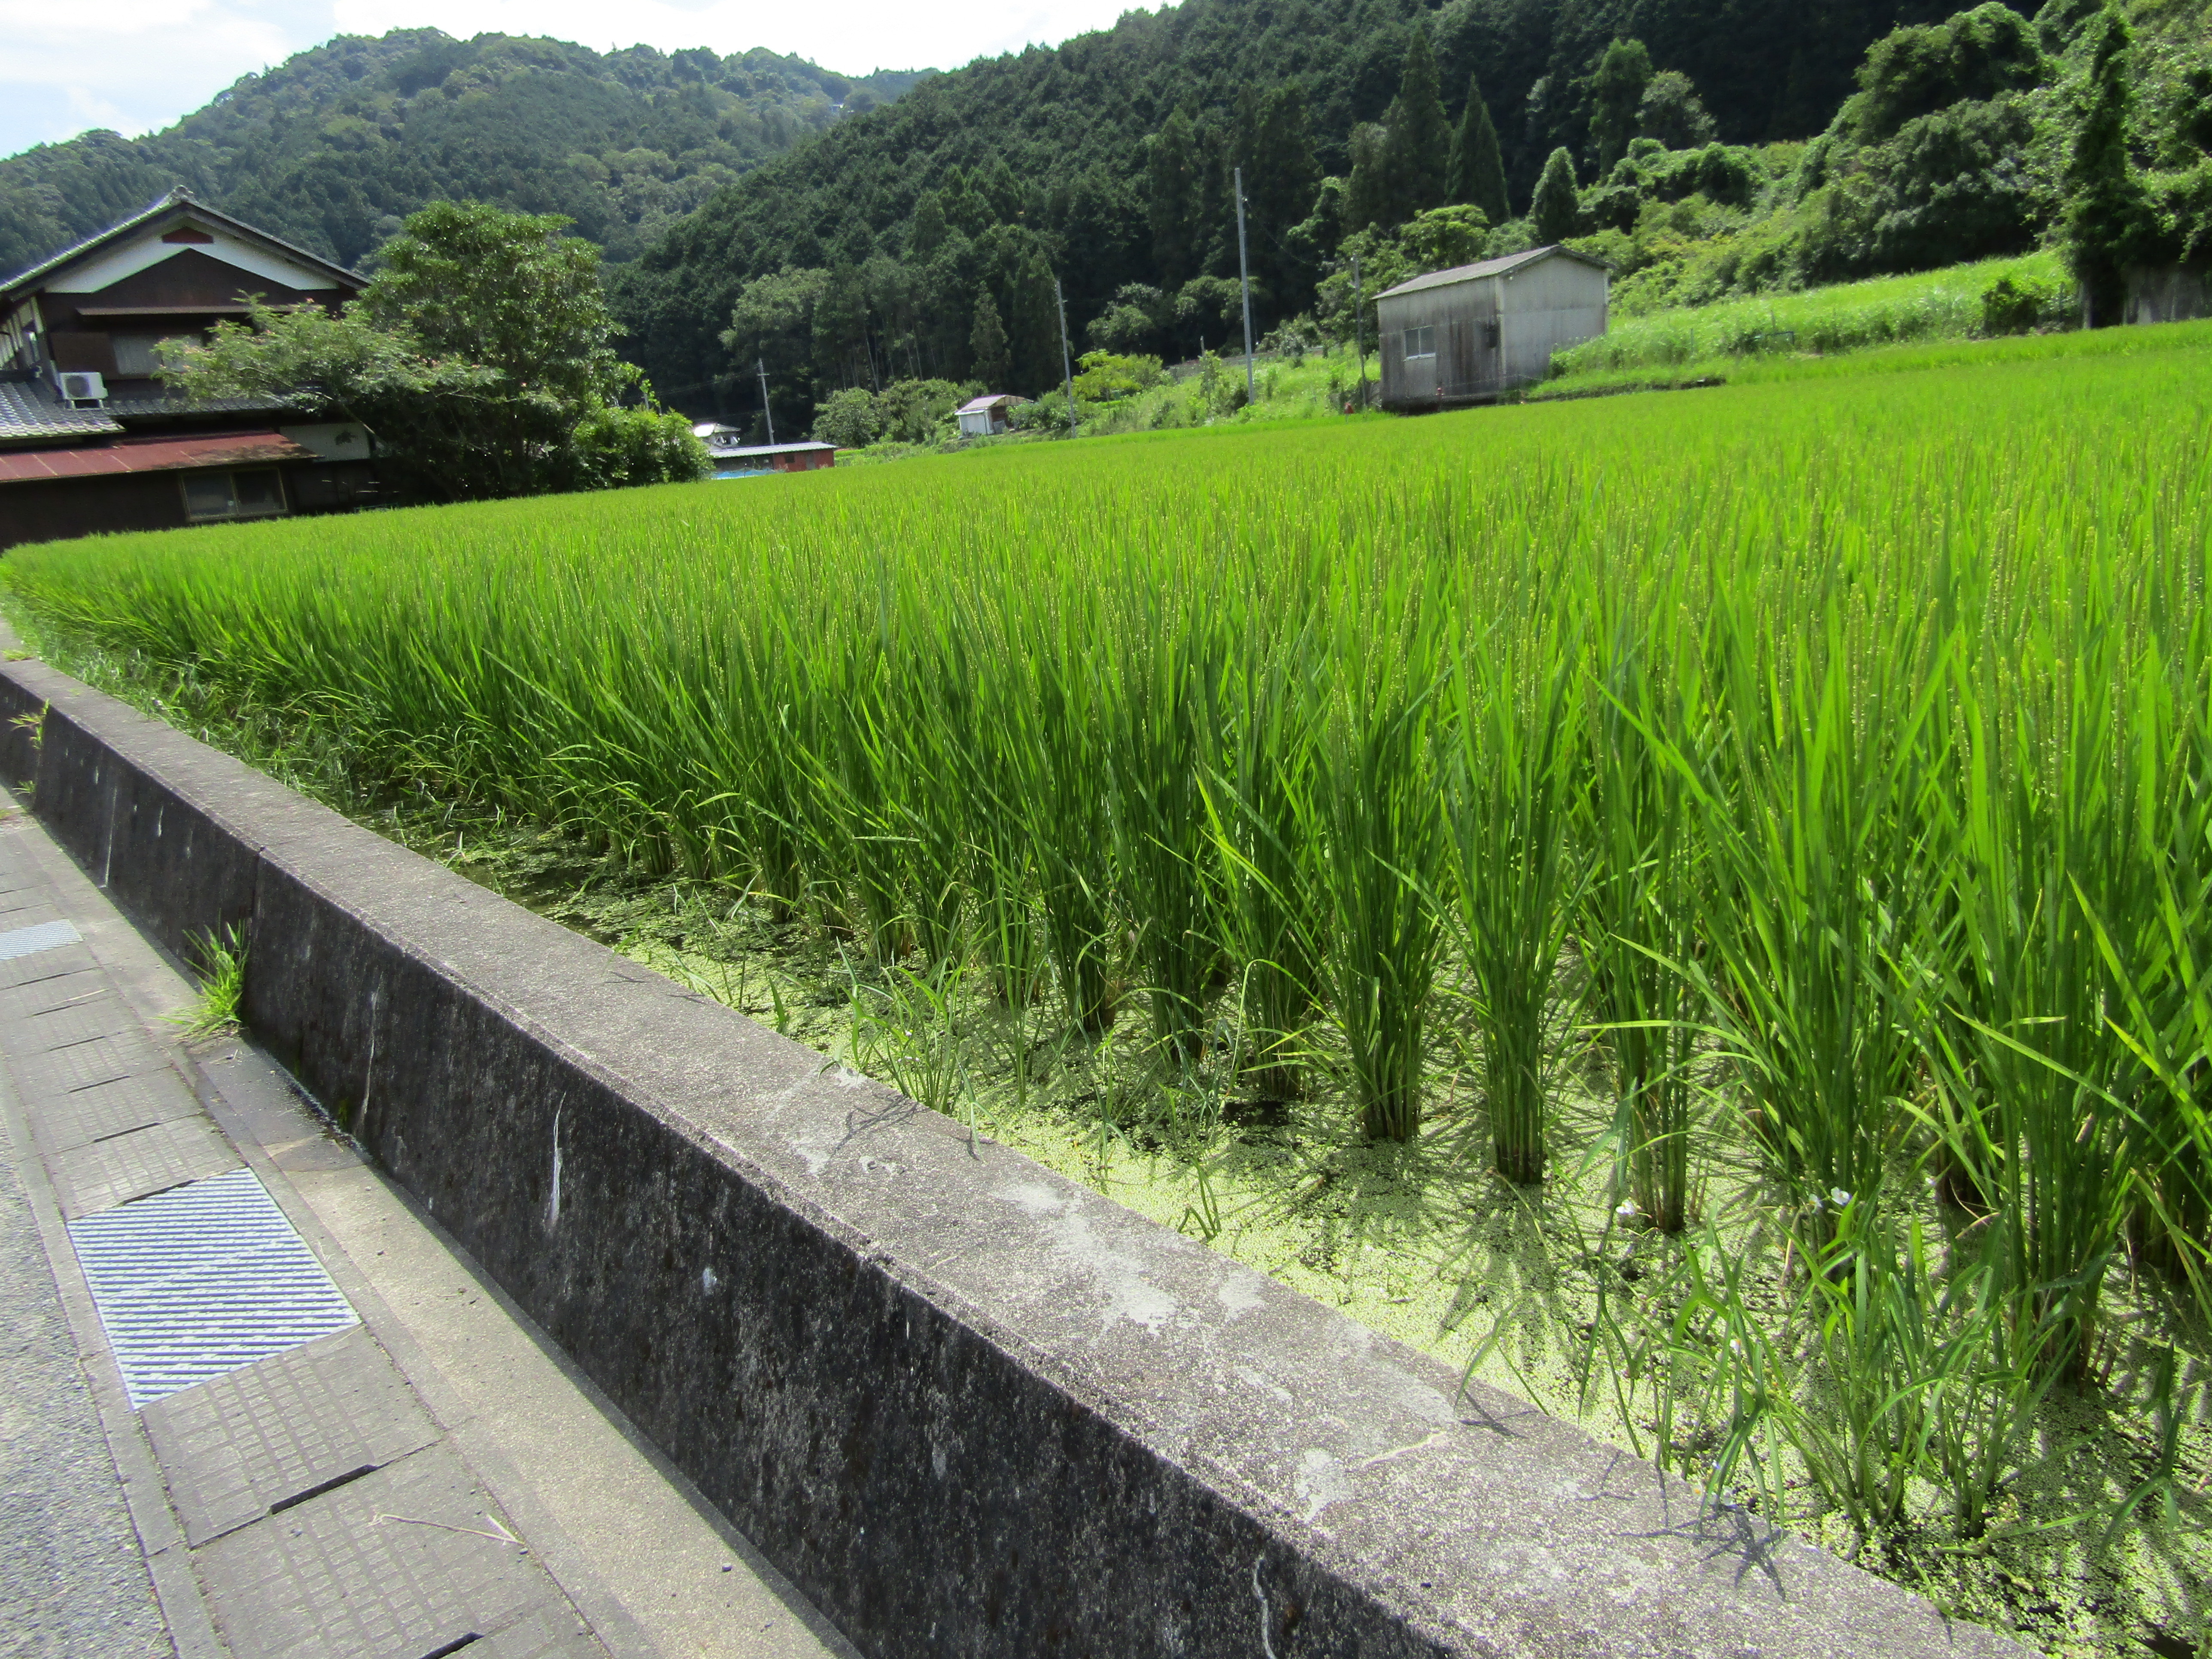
(255, 494)
(1490, 333)
(1421, 342)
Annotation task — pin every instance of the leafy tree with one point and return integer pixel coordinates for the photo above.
(1368, 198)
(2105, 227)
(477, 358)
(1671, 113)
(1979, 54)
(1616, 89)
(988, 344)
(1442, 237)
(1556, 205)
(848, 418)
(1139, 315)
(1104, 376)
(1477, 168)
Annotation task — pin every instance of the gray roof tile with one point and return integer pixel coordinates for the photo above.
(25, 414)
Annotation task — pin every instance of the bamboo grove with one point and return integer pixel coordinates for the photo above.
(1841, 753)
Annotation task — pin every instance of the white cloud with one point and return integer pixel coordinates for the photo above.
(850, 36)
(138, 65)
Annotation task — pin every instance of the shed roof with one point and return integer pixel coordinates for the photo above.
(178, 204)
(989, 400)
(766, 449)
(1504, 266)
(151, 455)
(25, 416)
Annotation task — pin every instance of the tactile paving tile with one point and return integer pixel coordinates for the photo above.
(109, 1058)
(90, 1179)
(202, 1280)
(62, 1124)
(400, 1564)
(72, 1018)
(548, 1633)
(238, 1446)
(43, 966)
(61, 989)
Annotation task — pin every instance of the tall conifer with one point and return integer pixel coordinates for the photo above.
(987, 343)
(1477, 167)
(1418, 150)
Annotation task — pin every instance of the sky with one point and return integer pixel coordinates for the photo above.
(138, 65)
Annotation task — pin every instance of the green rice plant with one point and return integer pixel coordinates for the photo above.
(1260, 805)
(1375, 803)
(1168, 675)
(1059, 764)
(1638, 909)
(1509, 770)
(1809, 815)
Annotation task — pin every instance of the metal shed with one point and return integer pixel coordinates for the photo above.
(1474, 333)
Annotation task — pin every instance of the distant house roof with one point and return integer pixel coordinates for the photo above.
(710, 430)
(151, 455)
(766, 449)
(26, 417)
(179, 204)
(989, 401)
(1500, 267)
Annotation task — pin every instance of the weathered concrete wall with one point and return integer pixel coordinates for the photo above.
(969, 1407)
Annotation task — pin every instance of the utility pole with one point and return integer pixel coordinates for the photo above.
(766, 413)
(1359, 330)
(1244, 275)
(1066, 363)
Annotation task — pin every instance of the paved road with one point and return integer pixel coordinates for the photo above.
(252, 1402)
(72, 1578)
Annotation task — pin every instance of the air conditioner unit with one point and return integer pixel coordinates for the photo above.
(83, 387)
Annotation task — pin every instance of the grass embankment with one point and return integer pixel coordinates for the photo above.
(1691, 907)
(1775, 336)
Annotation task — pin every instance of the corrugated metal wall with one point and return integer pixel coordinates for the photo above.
(1492, 333)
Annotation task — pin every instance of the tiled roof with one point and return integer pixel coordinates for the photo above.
(1498, 267)
(178, 197)
(150, 455)
(131, 408)
(26, 415)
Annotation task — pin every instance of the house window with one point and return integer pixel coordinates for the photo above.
(256, 494)
(134, 354)
(1490, 333)
(1420, 343)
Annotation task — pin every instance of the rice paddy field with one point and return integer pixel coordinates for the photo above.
(1691, 907)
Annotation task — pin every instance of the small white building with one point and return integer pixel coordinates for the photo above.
(979, 417)
(1474, 333)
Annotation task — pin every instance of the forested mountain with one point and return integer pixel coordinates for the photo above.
(1702, 145)
(1058, 145)
(334, 147)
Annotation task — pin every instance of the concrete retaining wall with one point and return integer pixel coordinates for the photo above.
(969, 1407)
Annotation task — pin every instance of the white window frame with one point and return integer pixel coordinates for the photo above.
(1420, 343)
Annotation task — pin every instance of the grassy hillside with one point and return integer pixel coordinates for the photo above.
(335, 146)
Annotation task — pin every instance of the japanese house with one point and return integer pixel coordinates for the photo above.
(91, 441)
(753, 459)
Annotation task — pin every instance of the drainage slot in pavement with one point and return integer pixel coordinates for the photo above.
(203, 1279)
(331, 1485)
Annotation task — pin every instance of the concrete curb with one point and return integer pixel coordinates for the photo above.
(966, 1406)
